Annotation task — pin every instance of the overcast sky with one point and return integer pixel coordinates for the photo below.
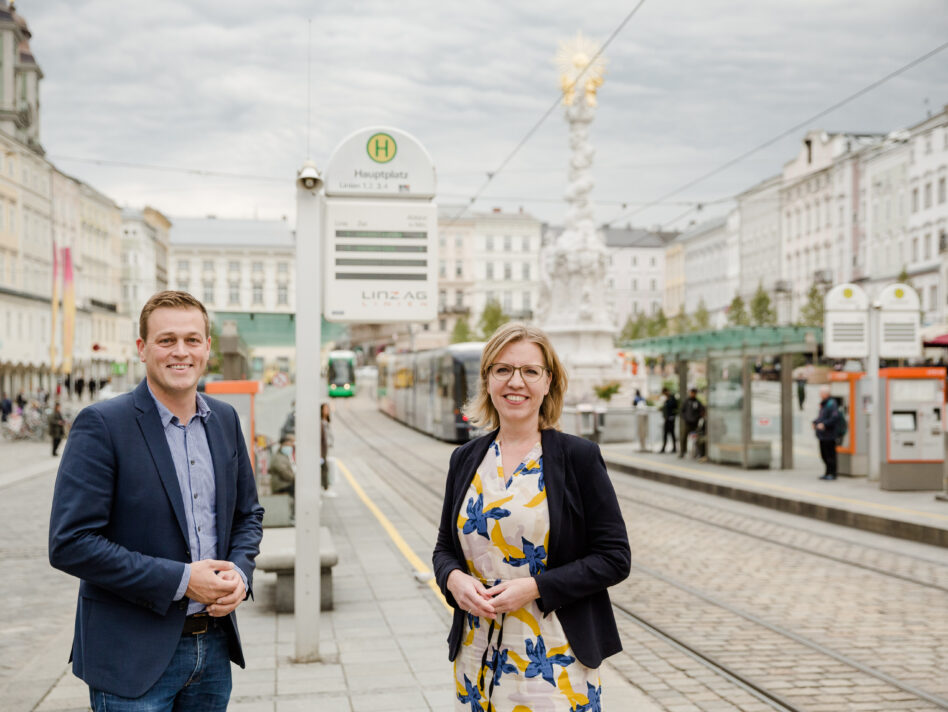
(220, 85)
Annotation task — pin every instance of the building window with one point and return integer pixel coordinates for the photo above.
(914, 200)
(526, 302)
(282, 295)
(635, 260)
(442, 299)
(208, 292)
(508, 243)
(508, 302)
(184, 265)
(458, 269)
(233, 266)
(442, 269)
(489, 243)
(928, 246)
(207, 265)
(525, 243)
(184, 285)
(458, 242)
(459, 298)
(257, 267)
(526, 271)
(233, 293)
(941, 191)
(490, 270)
(508, 270)
(914, 249)
(933, 297)
(928, 195)
(635, 285)
(283, 267)
(652, 285)
(442, 324)
(258, 292)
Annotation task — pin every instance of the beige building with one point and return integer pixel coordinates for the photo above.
(673, 299)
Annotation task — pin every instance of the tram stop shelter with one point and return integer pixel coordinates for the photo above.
(751, 419)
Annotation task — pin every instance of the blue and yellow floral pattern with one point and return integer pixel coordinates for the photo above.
(504, 525)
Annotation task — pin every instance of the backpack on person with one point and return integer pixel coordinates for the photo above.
(842, 427)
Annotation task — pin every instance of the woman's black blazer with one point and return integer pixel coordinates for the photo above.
(589, 545)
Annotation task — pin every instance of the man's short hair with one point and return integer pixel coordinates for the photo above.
(175, 300)
(288, 440)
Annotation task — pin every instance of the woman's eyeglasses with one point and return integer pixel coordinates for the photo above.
(504, 372)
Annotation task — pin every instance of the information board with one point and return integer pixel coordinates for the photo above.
(846, 322)
(380, 260)
(899, 322)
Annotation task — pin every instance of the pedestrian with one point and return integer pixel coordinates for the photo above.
(826, 425)
(6, 407)
(92, 385)
(669, 411)
(283, 468)
(637, 399)
(692, 411)
(80, 387)
(531, 537)
(325, 442)
(155, 510)
(20, 401)
(801, 391)
(57, 427)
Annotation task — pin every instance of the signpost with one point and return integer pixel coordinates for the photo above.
(366, 246)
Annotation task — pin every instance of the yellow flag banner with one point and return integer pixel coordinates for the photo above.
(69, 310)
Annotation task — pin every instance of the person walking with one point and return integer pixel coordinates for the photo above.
(692, 411)
(669, 411)
(825, 425)
(801, 392)
(6, 407)
(283, 468)
(325, 442)
(57, 427)
(637, 399)
(530, 539)
(80, 387)
(155, 511)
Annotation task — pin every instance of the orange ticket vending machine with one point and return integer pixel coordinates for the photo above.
(852, 454)
(239, 394)
(913, 451)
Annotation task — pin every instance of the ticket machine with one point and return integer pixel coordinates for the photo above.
(913, 446)
(849, 390)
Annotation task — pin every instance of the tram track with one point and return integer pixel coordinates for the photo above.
(758, 687)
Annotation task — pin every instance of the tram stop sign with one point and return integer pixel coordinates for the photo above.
(380, 228)
(900, 319)
(846, 322)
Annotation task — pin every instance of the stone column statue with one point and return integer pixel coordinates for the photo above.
(572, 308)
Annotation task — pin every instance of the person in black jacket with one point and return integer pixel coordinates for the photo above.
(692, 411)
(825, 427)
(531, 537)
(669, 411)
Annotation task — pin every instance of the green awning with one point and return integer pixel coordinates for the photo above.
(733, 341)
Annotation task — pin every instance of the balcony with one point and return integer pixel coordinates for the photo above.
(453, 309)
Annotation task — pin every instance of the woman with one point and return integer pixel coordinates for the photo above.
(531, 537)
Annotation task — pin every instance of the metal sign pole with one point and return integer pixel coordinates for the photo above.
(875, 413)
(308, 391)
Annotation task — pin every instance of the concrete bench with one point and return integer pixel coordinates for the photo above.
(758, 453)
(278, 554)
(277, 510)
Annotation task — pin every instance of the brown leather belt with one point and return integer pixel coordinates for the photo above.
(198, 623)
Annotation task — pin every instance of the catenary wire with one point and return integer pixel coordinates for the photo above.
(793, 129)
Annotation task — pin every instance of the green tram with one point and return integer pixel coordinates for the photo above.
(340, 374)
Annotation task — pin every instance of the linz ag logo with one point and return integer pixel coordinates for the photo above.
(393, 295)
(381, 148)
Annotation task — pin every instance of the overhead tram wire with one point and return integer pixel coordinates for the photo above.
(169, 169)
(493, 174)
(796, 127)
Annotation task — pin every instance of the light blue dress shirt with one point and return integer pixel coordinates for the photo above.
(195, 470)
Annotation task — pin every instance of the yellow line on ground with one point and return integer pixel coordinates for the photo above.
(711, 476)
(393, 534)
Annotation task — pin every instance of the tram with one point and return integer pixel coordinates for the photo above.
(340, 374)
(427, 389)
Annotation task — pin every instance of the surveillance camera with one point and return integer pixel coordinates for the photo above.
(308, 176)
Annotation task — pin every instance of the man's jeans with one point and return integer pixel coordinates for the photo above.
(197, 679)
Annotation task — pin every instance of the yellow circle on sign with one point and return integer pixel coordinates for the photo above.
(381, 148)
(848, 293)
(899, 292)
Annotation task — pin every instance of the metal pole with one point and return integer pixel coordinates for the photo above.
(309, 237)
(875, 414)
(786, 412)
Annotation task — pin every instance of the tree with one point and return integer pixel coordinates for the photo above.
(658, 324)
(903, 278)
(701, 318)
(634, 328)
(491, 319)
(462, 332)
(812, 312)
(214, 360)
(762, 310)
(737, 312)
(680, 323)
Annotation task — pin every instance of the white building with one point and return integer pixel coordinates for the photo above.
(145, 246)
(822, 236)
(759, 243)
(456, 239)
(243, 271)
(709, 254)
(636, 277)
(927, 238)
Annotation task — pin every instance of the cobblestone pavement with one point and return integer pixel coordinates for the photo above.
(884, 607)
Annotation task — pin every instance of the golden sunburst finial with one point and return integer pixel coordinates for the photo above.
(572, 58)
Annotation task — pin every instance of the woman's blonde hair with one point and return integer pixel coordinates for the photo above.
(481, 411)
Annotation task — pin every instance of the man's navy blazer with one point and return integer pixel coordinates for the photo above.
(589, 544)
(118, 524)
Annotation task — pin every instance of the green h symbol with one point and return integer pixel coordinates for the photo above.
(379, 147)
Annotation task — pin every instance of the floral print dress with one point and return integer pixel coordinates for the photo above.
(520, 662)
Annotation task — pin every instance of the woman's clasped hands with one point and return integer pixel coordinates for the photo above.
(475, 598)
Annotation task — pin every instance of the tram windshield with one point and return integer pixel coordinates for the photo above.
(471, 365)
(340, 371)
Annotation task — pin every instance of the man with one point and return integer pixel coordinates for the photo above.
(282, 470)
(155, 510)
(692, 411)
(57, 427)
(669, 411)
(825, 426)
(6, 407)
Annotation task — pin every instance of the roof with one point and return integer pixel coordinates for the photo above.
(703, 228)
(227, 232)
(758, 340)
(636, 237)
